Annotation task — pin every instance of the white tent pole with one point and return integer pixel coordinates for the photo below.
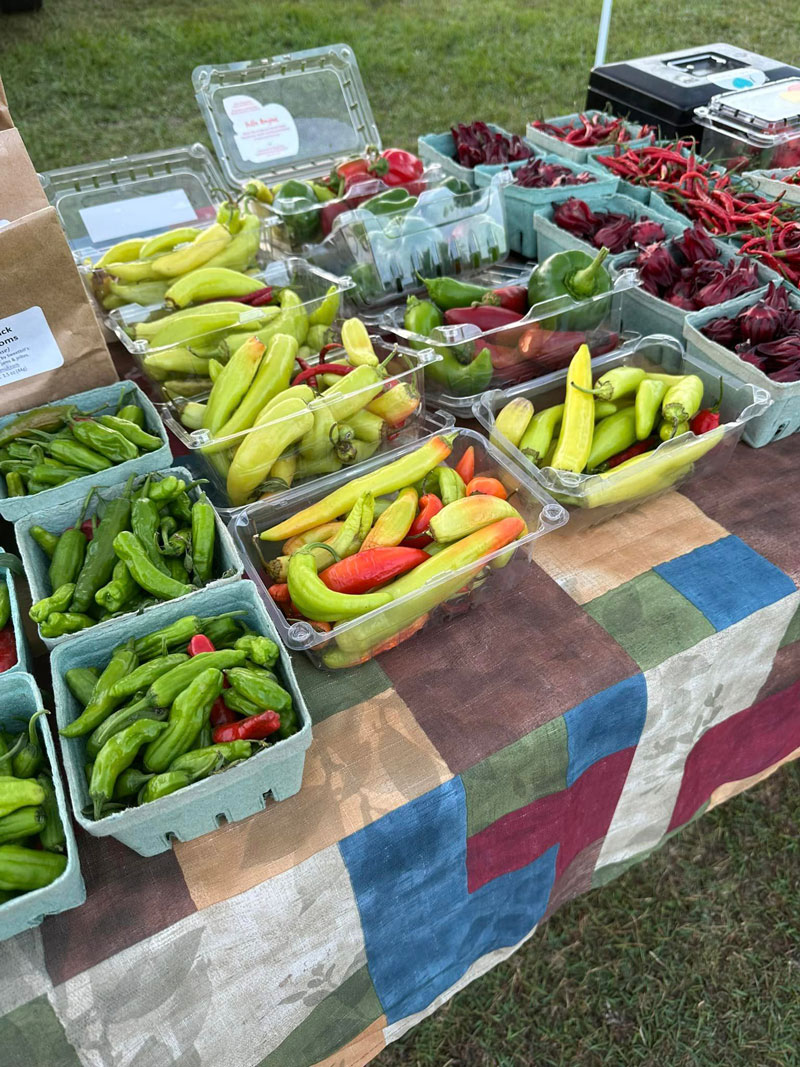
(602, 33)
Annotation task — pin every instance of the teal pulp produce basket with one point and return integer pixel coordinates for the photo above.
(103, 401)
(522, 205)
(15, 622)
(782, 418)
(551, 238)
(56, 520)
(228, 796)
(649, 477)
(440, 148)
(547, 142)
(19, 700)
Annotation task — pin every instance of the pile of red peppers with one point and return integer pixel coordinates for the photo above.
(765, 334)
(589, 131)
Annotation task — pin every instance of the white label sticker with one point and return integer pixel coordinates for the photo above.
(27, 346)
(137, 214)
(262, 132)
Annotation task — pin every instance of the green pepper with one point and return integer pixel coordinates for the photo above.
(119, 592)
(116, 756)
(259, 687)
(101, 556)
(60, 623)
(204, 531)
(103, 440)
(327, 310)
(52, 835)
(647, 405)
(458, 378)
(19, 793)
(74, 454)
(81, 682)
(27, 868)
(612, 435)
(421, 317)
(226, 752)
(189, 710)
(145, 674)
(298, 207)
(165, 689)
(390, 202)
(239, 703)
(177, 633)
(223, 632)
(166, 489)
(130, 549)
(57, 601)
(28, 761)
(131, 413)
(145, 523)
(130, 782)
(449, 293)
(260, 650)
(44, 539)
(65, 566)
(161, 785)
(15, 486)
(104, 700)
(48, 418)
(457, 186)
(119, 720)
(22, 823)
(180, 508)
(48, 475)
(138, 437)
(577, 275)
(5, 604)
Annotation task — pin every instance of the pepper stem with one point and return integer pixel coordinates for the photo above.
(584, 282)
(321, 544)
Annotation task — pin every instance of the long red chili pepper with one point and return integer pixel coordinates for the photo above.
(368, 570)
(253, 728)
(429, 505)
(309, 374)
(629, 453)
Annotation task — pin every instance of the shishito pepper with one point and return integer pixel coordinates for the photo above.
(120, 720)
(57, 601)
(100, 555)
(52, 833)
(134, 433)
(168, 686)
(261, 650)
(396, 475)
(204, 532)
(19, 793)
(22, 823)
(116, 756)
(189, 710)
(24, 869)
(28, 761)
(355, 644)
(44, 539)
(103, 439)
(104, 700)
(131, 551)
(576, 275)
(259, 687)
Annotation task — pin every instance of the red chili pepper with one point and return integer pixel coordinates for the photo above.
(88, 528)
(253, 728)
(257, 299)
(8, 648)
(629, 453)
(487, 487)
(485, 317)
(280, 593)
(368, 570)
(221, 714)
(199, 643)
(429, 505)
(707, 418)
(466, 466)
(309, 374)
(332, 347)
(510, 297)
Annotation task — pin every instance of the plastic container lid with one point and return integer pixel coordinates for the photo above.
(768, 114)
(293, 115)
(104, 202)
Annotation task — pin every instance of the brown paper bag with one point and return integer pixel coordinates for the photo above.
(6, 122)
(50, 343)
(20, 190)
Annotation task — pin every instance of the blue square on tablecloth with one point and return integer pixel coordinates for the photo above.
(422, 928)
(726, 580)
(605, 723)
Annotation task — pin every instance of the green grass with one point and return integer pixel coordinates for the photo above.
(692, 959)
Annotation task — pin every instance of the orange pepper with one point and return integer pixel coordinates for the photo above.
(487, 486)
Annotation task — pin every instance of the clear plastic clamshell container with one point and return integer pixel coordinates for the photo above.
(103, 203)
(445, 232)
(753, 128)
(179, 368)
(592, 498)
(374, 415)
(450, 593)
(293, 118)
(774, 184)
(544, 340)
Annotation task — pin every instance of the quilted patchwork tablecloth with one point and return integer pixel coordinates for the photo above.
(457, 792)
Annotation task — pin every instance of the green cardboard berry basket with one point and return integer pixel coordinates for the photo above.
(551, 238)
(522, 205)
(782, 419)
(227, 562)
(440, 148)
(228, 796)
(102, 401)
(15, 621)
(19, 699)
(546, 142)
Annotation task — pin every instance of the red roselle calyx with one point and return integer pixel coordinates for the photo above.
(616, 234)
(695, 244)
(723, 331)
(476, 143)
(576, 217)
(540, 175)
(647, 232)
(759, 323)
(657, 269)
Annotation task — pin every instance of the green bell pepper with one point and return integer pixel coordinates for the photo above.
(576, 275)
(298, 206)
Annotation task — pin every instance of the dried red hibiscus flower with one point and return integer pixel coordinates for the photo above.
(610, 229)
(766, 335)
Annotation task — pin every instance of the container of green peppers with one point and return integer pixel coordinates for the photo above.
(14, 654)
(152, 778)
(55, 453)
(39, 869)
(122, 550)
